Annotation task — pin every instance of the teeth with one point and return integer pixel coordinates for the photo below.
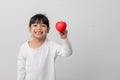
(38, 32)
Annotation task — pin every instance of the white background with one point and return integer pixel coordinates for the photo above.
(94, 32)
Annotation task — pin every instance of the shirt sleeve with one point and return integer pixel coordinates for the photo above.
(21, 66)
(65, 49)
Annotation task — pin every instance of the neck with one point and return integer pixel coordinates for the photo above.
(37, 40)
(35, 43)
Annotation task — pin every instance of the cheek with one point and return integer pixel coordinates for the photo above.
(48, 30)
(31, 30)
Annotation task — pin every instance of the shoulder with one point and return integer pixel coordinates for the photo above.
(23, 49)
(24, 45)
(52, 43)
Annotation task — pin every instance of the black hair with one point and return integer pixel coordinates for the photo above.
(39, 18)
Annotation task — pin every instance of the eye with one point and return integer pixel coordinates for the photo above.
(43, 25)
(34, 25)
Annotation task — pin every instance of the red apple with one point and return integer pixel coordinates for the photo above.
(61, 26)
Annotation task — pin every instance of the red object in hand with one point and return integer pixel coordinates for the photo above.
(61, 26)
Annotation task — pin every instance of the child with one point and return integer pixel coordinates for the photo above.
(36, 59)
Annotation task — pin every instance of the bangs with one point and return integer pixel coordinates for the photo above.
(38, 19)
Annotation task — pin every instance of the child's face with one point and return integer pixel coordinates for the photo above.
(39, 30)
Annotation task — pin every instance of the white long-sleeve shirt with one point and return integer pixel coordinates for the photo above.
(39, 63)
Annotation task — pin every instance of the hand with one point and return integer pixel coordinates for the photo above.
(63, 34)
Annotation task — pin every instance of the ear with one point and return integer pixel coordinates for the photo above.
(48, 29)
(29, 29)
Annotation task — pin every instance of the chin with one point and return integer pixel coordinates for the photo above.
(39, 37)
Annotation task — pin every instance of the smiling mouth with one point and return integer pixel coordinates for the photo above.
(38, 32)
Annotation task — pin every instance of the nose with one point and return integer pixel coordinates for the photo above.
(39, 27)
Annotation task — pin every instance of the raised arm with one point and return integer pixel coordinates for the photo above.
(65, 49)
